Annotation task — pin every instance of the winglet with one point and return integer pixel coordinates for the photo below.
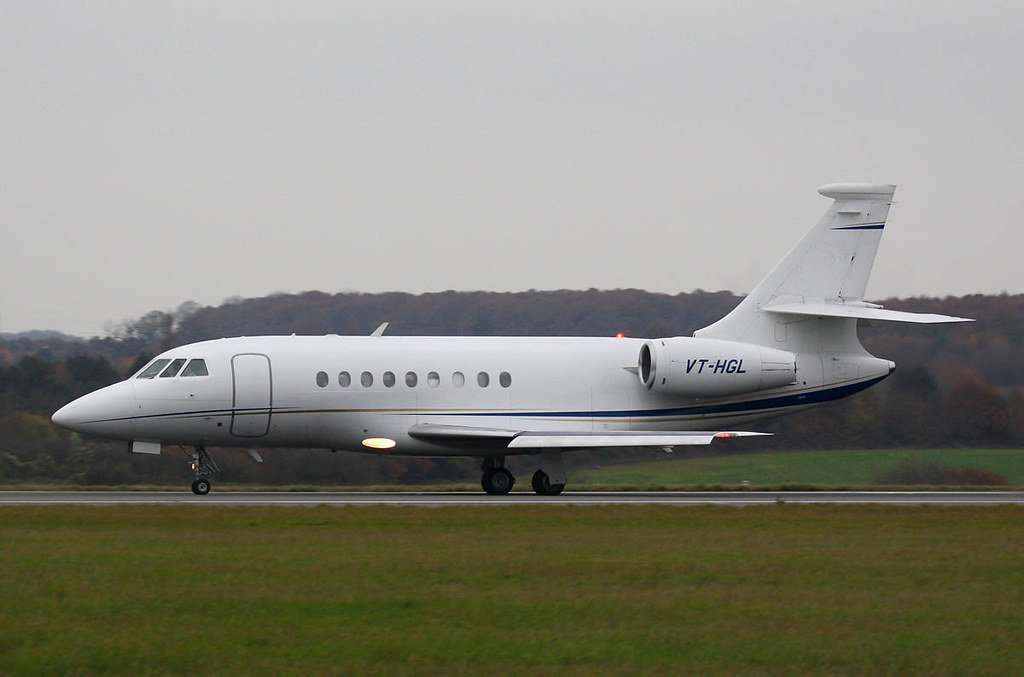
(379, 331)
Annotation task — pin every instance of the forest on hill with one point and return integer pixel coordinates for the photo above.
(955, 385)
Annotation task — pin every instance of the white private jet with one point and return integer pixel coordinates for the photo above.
(790, 344)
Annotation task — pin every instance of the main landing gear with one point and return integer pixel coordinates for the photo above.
(202, 465)
(543, 486)
(497, 480)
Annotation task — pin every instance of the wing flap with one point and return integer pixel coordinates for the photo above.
(637, 438)
(861, 312)
(529, 439)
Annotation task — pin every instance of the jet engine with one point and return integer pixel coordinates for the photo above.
(695, 367)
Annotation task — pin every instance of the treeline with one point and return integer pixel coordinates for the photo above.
(956, 385)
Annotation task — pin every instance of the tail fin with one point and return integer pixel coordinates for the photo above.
(810, 302)
(812, 299)
(830, 264)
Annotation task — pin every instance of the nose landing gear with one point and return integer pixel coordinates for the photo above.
(202, 466)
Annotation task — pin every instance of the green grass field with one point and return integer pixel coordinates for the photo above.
(535, 590)
(856, 467)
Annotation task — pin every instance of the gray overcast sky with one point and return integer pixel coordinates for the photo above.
(153, 153)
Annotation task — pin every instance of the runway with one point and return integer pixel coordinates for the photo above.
(678, 498)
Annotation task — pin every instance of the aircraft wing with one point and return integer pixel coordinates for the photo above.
(528, 439)
(861, 312)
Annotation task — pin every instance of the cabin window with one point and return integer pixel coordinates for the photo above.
(173, 368)
(321, 379)
(366, 378)
(433, 379)
(505, 379)
(195, 368)
(388, 379)
(152, 370)
(344, 379)
(458, 379)
(483, 380)
(411, 379)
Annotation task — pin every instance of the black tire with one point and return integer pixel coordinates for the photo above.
(497, 482)
(542, 485)
(201, 487)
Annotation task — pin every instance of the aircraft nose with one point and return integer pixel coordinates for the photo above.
(65, 416)
(105, 412)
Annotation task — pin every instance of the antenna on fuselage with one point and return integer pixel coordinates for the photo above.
(379, 331)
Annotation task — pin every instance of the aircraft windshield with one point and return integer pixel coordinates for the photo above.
(172, 369)
(195, 368)
(153, 369)
(168, 368)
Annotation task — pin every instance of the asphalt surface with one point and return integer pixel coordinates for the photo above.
(735, 498)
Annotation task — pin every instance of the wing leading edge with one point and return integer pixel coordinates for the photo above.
(528, 439)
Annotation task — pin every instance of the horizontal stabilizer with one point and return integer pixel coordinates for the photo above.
(526, 439)
(861, 312)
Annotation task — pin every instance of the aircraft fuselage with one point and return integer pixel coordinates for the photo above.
(335, 392)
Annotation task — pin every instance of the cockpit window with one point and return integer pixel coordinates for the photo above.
(153, 369)
(195, 368)
(173, 368)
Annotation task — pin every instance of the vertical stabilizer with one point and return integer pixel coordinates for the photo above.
(830, 264)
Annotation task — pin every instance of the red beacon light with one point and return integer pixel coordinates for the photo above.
(620, 335)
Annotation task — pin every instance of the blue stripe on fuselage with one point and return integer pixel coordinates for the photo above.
(872, 226)
(782, 401)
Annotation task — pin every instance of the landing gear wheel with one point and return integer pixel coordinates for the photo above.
(497, 481)
(543, 486)
(202, 464)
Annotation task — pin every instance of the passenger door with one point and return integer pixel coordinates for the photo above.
(253, 395)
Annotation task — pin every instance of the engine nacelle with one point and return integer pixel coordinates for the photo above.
(695, 367)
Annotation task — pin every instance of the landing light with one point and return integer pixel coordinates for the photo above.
(379, 443)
